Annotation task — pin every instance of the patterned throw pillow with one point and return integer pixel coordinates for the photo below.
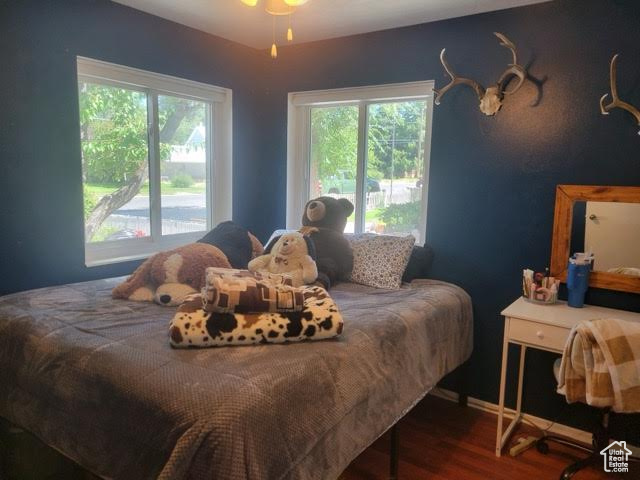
(380, 260)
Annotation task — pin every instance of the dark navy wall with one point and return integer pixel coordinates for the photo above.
(492, 180)
(41, 231)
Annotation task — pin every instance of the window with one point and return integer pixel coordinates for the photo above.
(368, 144)
(156, 160)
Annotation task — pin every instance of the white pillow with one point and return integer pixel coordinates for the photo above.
(380, 260)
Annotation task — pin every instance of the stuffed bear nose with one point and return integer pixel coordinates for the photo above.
(165, 298)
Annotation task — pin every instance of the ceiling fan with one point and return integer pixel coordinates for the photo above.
(278, 8)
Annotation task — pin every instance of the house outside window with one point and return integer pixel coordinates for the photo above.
(370, 145)
(156, 160)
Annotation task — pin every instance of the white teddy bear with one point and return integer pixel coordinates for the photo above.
(290, 255)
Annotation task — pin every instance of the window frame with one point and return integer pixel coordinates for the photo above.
(299, 140)
(219, 139)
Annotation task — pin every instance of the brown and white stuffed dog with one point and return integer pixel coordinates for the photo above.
(168, 277)
(292, 254)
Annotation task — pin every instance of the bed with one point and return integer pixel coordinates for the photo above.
(95, 379)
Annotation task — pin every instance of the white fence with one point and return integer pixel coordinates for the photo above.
(385, 198)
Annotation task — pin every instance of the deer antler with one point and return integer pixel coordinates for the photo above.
(505, 42)
(514, 68)
(455, 80)
(491, 97)
(615, 100)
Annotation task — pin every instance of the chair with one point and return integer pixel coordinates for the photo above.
(600, 437)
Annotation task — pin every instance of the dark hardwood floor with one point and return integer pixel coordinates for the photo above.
(440, 440)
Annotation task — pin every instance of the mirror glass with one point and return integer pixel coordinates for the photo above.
(611, 231)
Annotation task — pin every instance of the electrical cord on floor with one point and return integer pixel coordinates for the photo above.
(543, 430)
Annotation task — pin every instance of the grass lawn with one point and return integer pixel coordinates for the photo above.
(370, 216)
(100, 190)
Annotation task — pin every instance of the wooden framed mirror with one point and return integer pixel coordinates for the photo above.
(606, 221)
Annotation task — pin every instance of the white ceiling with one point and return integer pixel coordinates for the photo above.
(316, 20)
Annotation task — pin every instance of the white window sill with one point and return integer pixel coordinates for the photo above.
(118, 251)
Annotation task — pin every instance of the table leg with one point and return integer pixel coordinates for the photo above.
(523, 351)
(503, 379)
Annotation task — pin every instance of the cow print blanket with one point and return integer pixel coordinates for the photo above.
(194, 326)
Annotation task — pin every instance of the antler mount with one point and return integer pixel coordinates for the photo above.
(615, 100)
(491, 97)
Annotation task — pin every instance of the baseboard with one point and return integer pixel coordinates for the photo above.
(541, 423)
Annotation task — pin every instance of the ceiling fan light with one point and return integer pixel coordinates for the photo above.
(295, 3)
(251, 3)
(278, 7)
(274, 51)
(289, 34)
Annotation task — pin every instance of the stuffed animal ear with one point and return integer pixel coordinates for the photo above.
(311, 247)
(273, 241)
(346, 205)
(256, 247)
(139, 278)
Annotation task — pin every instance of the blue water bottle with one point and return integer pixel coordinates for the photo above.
(577, 283)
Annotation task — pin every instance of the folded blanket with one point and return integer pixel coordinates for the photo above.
(193, 326)
(601, 365)
(242, 291)
(232, 273)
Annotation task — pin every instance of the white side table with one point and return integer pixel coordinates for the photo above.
(545, 327)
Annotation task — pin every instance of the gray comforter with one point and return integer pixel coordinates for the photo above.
(95, 378)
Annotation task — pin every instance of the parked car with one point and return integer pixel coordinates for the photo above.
(345, 182)
(125, 233)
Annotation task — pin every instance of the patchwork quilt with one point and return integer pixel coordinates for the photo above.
(195, 326)
(241, 291)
